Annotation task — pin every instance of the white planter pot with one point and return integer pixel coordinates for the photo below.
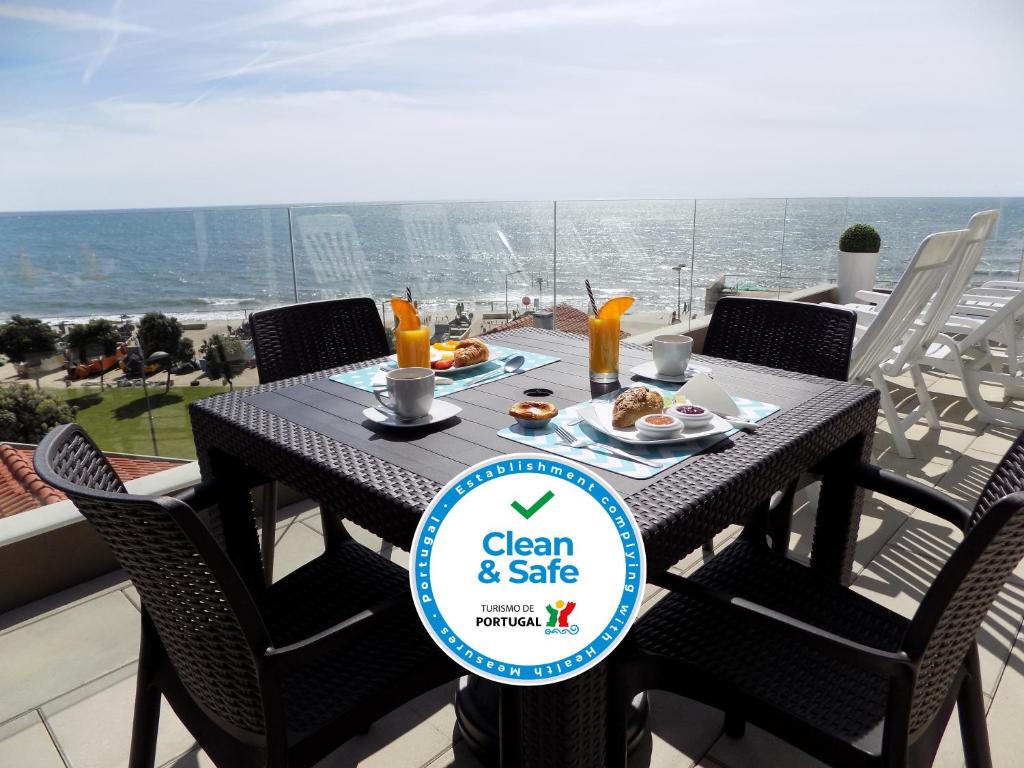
(856, 273)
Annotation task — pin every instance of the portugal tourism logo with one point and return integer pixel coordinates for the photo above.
(527, 570)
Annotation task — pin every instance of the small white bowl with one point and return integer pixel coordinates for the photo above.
(699, 418)
(646, 428)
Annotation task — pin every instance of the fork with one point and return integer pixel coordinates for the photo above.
(570, 440)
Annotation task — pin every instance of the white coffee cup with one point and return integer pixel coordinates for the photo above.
(410, 393)
(672, 354)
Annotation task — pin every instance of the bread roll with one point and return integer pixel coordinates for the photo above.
(470, 352)
(634, 403)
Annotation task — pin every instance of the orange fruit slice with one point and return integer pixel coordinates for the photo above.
(408, 317)
(615, 308)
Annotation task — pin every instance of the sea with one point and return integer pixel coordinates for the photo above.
(220, 263)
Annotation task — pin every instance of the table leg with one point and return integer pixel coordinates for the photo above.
(839, 508)
(234, 523)
(551, 725)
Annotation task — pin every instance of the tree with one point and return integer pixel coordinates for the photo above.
(161, 333)
(225, 357)
(25, 337)
(27, 414)
(186, 351)
(97, 338)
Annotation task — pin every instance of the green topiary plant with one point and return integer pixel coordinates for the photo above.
(25, 337)
(860, 238)
(27, 414)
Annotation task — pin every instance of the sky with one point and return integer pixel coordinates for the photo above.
(147, 103)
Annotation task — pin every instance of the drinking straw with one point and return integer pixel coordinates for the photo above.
(590, 293)
(408, 293)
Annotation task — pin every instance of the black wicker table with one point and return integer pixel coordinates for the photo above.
(309, 432)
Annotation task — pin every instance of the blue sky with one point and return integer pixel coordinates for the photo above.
(137, 104)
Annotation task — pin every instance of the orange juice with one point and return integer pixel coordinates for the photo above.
(412, 340)
(604, 348)
(413, 347)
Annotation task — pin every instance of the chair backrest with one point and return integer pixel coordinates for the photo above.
(305, 338)
(906, 316)
(791, 335)
(950, 615)
(958, 278)
(980, 229)
(205, 618)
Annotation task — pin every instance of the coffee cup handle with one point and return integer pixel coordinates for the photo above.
(380, 394)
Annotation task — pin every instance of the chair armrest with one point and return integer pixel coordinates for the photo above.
(894, 665)
(914, 493)
(202, 496)
(296, 654)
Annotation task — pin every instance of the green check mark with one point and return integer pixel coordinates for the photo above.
(527, 513)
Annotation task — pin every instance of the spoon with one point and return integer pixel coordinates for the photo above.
(512, 365)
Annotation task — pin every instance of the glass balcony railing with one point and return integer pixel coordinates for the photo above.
(484, 263)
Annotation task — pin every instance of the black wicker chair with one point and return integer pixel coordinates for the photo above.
(767, 640)
(305, 338)
(791, 335)
(279, 678)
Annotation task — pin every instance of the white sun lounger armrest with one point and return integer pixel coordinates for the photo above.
(993, 293)
(1015, 285)
(872, 297)
(865, 313)
(977, 310)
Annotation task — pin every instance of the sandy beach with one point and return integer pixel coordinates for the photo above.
(58, 380)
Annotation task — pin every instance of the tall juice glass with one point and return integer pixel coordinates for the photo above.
(604, 349)
(413, 347)
(412, 339)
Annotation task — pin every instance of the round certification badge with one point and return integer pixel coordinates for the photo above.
(527, 569)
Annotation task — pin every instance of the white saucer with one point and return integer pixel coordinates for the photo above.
(441, 410)
(648, 371)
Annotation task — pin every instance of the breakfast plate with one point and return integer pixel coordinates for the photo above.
(648, 371)
(467, 368)
(434, 355)
(599, 416)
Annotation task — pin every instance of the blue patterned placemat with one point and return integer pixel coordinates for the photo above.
(665, 456)
(363, 378)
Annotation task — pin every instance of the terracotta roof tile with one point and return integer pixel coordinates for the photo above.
(567, 318)
(22, 489)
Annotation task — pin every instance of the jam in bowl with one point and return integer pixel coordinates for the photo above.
(658, 425)
(693, 415)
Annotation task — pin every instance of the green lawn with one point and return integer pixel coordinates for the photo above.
(116, 418)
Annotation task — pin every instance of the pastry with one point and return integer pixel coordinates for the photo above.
(533, 410)
(470, 352)
(634, 403)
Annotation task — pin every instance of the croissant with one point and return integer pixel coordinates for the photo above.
(470, 352)
(634, 403)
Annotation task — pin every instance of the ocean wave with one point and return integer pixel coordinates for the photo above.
(217, 301)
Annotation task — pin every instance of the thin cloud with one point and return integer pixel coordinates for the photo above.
(470, 24)
(64, 19)
(102, 54)
(228, 76)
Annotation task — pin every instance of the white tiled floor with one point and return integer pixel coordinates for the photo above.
(67, 677)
